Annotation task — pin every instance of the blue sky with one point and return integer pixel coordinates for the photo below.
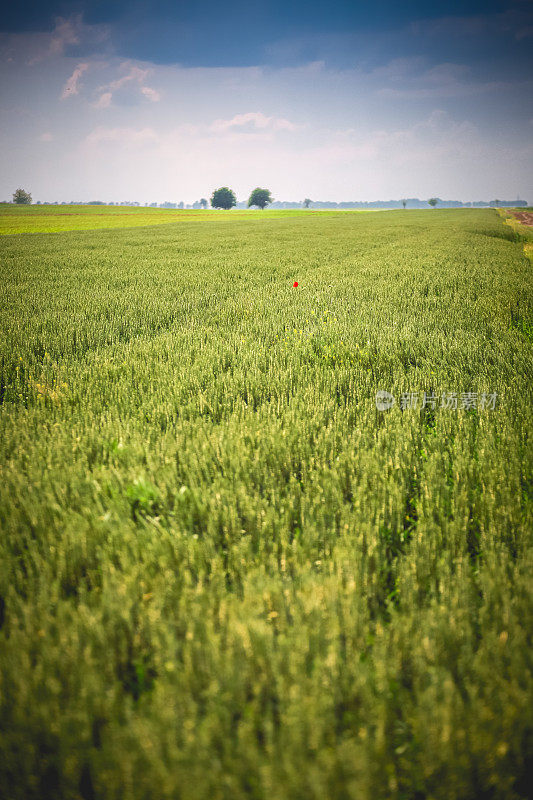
(347, 101)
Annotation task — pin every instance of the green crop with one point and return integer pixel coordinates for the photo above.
(54, 219)
(223, 572)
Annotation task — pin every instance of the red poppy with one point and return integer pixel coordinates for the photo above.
(295, 284)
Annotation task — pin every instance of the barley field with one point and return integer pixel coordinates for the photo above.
(224, 573)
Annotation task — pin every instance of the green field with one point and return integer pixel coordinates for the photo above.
(54, 219)
(224, 574)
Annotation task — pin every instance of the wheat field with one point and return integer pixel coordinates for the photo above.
(224, 573)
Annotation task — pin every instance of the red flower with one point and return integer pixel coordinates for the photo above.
(295, 284)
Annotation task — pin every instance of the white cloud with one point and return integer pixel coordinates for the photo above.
(135, 76)
(253, 120)
(72, 32)
(447, 80)
(436, 139)
(71, 87)
(151, 94)
(186, 150)
(123, 136)
(67, 32)
(104, 101)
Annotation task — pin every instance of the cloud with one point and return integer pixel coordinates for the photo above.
(135, 76)
(104, 101)
(67, 32)
(253, 120)
(151, 94)
(185, 135)
(412, 79)
(436, 138)
(123, 136)
(421, 158)
(399, 68)
(71, 87)
(45, 137)
(70, 36)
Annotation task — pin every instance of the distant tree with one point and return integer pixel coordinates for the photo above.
(307, 202)
(260, 197)
(404, 203)
(223, 198)
(21, 197)
(203, 202)
(433, 201)
(497, 203)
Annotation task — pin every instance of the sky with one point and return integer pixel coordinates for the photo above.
(167, 100)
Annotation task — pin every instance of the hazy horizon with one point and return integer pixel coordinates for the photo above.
(317, 202)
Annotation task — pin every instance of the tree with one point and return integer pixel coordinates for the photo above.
(404, 203)
(260, 197)
(21, 197)
(203, 202)
(433, 201)
(223, 198)
(307, 202)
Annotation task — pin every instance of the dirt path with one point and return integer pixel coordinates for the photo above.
(525, 217)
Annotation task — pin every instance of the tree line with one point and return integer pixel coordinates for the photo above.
(225, 198)
(221, 198)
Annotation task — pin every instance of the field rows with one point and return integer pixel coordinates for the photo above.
(224, 573)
